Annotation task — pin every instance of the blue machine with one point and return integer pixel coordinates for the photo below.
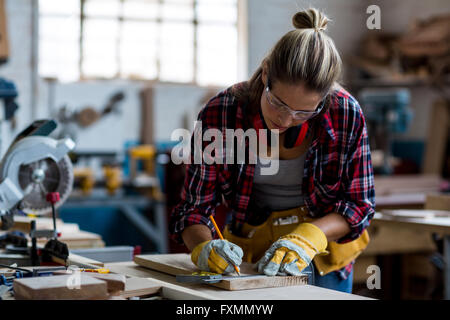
(386, 112)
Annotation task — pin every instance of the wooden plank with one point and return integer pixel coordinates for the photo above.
(147, 116)
(78, 240)
(57, 288)
(405, 184)
(137, 287)
(42, 223)
(176, 264)
(424, 214)
(437, 202)
(4, 46)
(79, 261)
(437, 138)
(114, 282)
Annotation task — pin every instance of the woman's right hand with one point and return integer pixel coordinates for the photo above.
(217, 256)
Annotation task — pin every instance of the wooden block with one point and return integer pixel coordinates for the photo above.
(147, 117)
(437, 202)
(57, 288)
(77, 240)
(24, 224)
(4, 47)
(405, 184)
(137, 287)
(176, 264)
(422, 214)
(114, 282)
(84, 262)
(437, 138)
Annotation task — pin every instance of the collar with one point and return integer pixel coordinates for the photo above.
(325, 131)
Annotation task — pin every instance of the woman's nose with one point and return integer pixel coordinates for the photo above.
(285, 119)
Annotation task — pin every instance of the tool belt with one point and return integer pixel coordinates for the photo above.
(255, 240)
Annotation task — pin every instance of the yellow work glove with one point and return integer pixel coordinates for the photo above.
(292, 253)
(217, 256)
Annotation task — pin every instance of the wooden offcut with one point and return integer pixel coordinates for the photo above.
(138, 287)
(178, 264)
(437, 138)
(437, 202)
(59, 288)
(114, 282)
(147, 116)
(4, 47)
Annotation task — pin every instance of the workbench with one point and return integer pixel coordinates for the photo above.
(399, 235)
(175, 290)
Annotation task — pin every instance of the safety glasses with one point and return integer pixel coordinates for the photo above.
(285, 110)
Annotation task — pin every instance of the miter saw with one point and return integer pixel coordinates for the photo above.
(36, 177)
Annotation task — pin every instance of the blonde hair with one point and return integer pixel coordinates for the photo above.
(305, 56)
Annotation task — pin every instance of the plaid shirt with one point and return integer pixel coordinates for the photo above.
(338, 173)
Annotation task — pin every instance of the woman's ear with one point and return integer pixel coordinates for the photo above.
(264, 74)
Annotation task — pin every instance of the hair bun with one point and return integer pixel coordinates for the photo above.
(310, 19)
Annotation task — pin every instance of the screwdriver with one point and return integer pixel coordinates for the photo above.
(221, 238)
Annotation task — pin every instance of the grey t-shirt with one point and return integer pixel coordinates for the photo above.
(283, 190)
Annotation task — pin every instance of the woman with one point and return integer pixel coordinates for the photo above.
(320, 201)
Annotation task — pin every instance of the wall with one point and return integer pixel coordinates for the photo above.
(267, 21)
(270, 19)
(396, 17)
(19, 67)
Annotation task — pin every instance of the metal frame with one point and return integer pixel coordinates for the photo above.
(129, 206)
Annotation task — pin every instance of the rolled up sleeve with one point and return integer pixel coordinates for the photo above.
(198, 200)
(358, 203)
(198, 196)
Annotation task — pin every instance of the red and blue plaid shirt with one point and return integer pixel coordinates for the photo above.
(338, 173)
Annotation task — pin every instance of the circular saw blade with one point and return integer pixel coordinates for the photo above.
(41, 177)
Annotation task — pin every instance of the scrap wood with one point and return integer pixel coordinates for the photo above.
(427, 38)
(63, 287)
(404, 184)
(423, 214)
(23, 224)
(138, 287)
(114, 282)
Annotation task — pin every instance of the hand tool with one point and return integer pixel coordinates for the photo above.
(199, 277)
(100, 270)
(221, 238)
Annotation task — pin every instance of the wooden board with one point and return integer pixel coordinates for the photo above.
(437, 202)
(56, 288)
(176, 264)
(138, 287)
(43, 223)
(424, 214)
(114, 282)
(405, 184)
(78, 240)
(437, 138)
(4, 47)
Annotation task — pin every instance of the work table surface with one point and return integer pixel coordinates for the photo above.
(202, 291)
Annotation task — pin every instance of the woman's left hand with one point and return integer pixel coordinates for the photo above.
(293, 252)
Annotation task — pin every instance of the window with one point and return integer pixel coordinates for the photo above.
(167, 40)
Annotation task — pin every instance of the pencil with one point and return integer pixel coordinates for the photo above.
(221, 238)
